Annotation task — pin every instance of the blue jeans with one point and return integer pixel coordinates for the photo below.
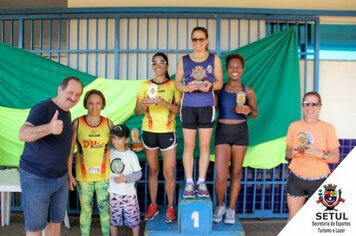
(44, 200)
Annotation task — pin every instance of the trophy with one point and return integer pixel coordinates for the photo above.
(240, 98)
(117, 166)
(199, 74)
(152, 93)
(240, 101)
(136, 144)
(304, 139)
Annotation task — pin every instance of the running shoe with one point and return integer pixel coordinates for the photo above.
(219, 213)
(230, 216)
(151, 212)
(189, 191)
(202, 190)
(171, 215)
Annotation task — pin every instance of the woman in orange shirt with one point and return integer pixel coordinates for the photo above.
(311, 145)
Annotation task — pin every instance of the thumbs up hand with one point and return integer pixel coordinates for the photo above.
(56, 126)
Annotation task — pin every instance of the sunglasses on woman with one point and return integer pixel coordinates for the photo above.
(158, 62)
(308, 104)
(194, 40)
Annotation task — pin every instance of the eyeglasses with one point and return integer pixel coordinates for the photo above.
(308, 104)
(158, 62)
(194, 40)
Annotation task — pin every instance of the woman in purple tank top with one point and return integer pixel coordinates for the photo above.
(198, 75)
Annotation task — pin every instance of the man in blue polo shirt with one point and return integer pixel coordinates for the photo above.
(47, 133)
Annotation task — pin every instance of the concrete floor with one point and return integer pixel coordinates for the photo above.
(252, 227)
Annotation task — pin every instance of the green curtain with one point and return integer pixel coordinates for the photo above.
(271, 69)
(27, 78)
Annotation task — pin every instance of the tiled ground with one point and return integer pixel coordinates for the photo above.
(253, 227)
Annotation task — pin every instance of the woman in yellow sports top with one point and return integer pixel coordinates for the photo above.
(159, 101)
(91, 134)
(311, 145)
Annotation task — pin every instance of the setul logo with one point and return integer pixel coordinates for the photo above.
(330, 198)
(331, 220)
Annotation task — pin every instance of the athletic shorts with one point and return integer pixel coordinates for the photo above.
(299, 187)
(197, 117)
(44, 200)
(124, 210)
(163, 141)
(232, 134)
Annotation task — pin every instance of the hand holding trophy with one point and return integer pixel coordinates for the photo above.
(205, 86)
(199, 84)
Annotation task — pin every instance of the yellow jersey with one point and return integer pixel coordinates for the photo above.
(159, 119)
(93, 160)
